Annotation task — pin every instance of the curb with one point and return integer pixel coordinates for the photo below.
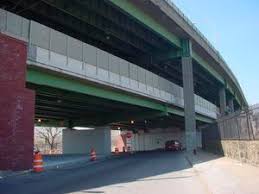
(189, 161)
(7, 174)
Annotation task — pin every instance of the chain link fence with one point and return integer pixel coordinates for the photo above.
(243, 125)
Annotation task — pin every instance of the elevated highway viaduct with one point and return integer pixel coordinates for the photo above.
(124, 64)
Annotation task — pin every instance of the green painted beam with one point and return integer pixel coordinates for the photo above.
(39, 77)
(204, 119)
(176, 111)
(215, 74)
(145, 19)
(206, 66)
(232, 91)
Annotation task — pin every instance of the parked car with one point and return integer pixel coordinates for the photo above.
(173, 145)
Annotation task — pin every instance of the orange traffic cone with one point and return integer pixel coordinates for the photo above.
(92, 155)
(116, 151)
(37, 162)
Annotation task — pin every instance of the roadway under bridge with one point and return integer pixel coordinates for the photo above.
(128, 65)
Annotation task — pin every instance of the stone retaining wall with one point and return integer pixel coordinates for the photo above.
(244, 151)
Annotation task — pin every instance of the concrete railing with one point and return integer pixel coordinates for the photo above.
(59, 52)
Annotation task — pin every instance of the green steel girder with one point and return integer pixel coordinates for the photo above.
(206, 66)
(215, 74)
(233, 93)
(144, 18)
(204, 119)
(76, 107)
(43, 78)
(66, 97)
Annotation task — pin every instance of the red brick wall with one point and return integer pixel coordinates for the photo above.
(17, 107)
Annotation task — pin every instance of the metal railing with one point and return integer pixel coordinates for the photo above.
(243, 125)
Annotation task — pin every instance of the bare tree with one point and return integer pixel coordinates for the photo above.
(50, 135)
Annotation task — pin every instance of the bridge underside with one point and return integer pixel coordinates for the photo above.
(102, 24)
(61, 104)
(65, 100)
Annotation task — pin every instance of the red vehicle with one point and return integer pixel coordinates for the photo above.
(173, 145)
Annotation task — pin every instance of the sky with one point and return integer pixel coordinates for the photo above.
(232, 26)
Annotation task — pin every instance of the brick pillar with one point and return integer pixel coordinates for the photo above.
(17, 107)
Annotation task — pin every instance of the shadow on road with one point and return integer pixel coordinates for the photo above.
(146, 166)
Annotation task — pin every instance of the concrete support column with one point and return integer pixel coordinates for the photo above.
(17, 107)
(222, 101)
(188, 90)
(231, 105)
(81, 141)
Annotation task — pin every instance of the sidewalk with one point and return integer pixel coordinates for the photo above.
(225, 176)
(59, 161)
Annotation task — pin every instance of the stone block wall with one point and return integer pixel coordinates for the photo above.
(241, 150)
(244, 151)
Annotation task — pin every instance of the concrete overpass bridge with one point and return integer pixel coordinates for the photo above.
(123, 64)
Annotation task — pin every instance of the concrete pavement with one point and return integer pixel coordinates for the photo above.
(224, 175)
(151, 172)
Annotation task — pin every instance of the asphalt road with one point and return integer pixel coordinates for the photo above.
(143, 173)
